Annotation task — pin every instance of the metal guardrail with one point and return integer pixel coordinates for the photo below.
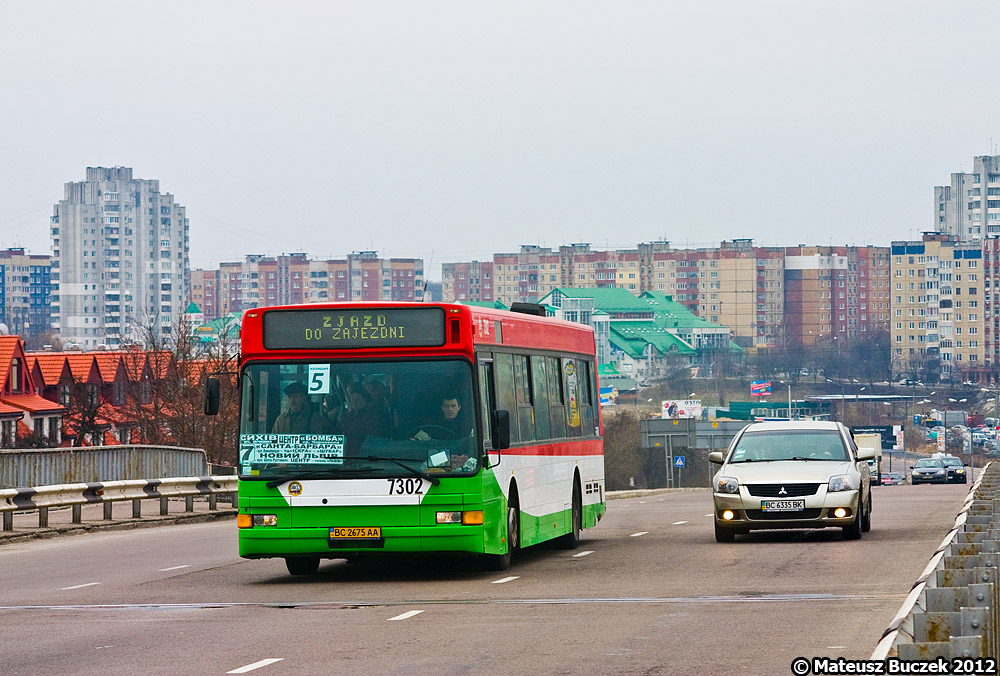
(952, 608)
(50, 466)
(79, 494)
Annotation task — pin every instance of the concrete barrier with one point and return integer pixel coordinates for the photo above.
(952, 609)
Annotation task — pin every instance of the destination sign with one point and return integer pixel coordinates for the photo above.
(353, 329)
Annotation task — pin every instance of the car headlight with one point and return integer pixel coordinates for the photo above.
(841, 482)
(725, 484)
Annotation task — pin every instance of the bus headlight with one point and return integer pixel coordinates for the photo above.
(265, 520)
(470, 518)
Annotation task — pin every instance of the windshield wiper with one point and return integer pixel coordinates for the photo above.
(412, 470)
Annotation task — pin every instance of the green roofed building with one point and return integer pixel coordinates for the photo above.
(642, 337)
(495, 305)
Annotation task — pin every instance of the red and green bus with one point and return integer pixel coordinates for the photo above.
(388, 428)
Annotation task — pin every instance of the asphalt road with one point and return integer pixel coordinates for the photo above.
(648, 592)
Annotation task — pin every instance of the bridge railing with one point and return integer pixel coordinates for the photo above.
(76, 495)
(952, 608)
(50, 466)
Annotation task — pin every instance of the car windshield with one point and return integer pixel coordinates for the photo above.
(935, 464)
(357, 419)
(951, 462)
(766, 445)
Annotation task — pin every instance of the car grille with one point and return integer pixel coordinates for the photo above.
(759, 515)
(774, 490)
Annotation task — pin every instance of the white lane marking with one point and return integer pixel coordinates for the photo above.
(405, 616)
(642, 532)
(505, 579)
(79, 586)
(255, 665)
(677, 523)
(164, 570)
(642, 502)
(710, 515)
(836, 647)
(576, 556)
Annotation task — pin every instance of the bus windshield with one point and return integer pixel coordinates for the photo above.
(339, 419)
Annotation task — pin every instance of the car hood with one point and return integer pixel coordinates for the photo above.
(796, 471)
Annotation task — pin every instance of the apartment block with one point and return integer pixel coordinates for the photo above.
(119, 259)
(292, 279)
(205, 292)
(835, 293)
(969, 208)
(25, 292)
(991, 309)
(938, 306)
(471, 281)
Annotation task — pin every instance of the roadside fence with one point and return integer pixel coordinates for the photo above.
(51, 466)
(77, 495)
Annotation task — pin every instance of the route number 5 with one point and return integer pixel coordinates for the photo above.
(319, 379)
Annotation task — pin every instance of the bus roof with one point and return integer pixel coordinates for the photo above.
(466, 327)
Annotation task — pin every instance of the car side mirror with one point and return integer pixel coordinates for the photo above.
(212, 396)
(715, 457)
(866, 454)
(500, 429)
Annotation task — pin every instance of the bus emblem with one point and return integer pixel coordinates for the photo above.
(295, 488)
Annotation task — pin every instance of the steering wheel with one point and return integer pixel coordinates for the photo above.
(451, 434)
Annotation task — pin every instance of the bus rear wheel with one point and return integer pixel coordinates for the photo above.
(502, 561)
(302, 565)
(571, 540)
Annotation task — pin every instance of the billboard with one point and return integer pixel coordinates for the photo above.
(760, 388)
(680, 408)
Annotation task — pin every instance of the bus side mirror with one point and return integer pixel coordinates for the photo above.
(212, 396)
(500, 429)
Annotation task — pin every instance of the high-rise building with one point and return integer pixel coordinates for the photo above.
(205, 292)
(119, 260)
(25, 292)
(938, 307)
(470, 281)
(291, 279)
(969, 208)
(834, 294)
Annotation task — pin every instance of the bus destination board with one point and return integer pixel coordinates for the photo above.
(353, 329)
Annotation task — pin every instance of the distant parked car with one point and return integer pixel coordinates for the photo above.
(892, 479)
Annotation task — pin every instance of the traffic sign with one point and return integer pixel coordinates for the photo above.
(678, 461)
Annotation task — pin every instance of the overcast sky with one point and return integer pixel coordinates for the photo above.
(450, 130)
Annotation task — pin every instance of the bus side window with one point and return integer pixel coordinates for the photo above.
(522, 386)
(487, 398)
(571, 388)
(540, 387)
(506, 400)
(586, 396)
(557, 407)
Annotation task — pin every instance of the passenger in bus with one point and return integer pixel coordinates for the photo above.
(380, 403)
(359, 421)
(333, 408)
(299, 417)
